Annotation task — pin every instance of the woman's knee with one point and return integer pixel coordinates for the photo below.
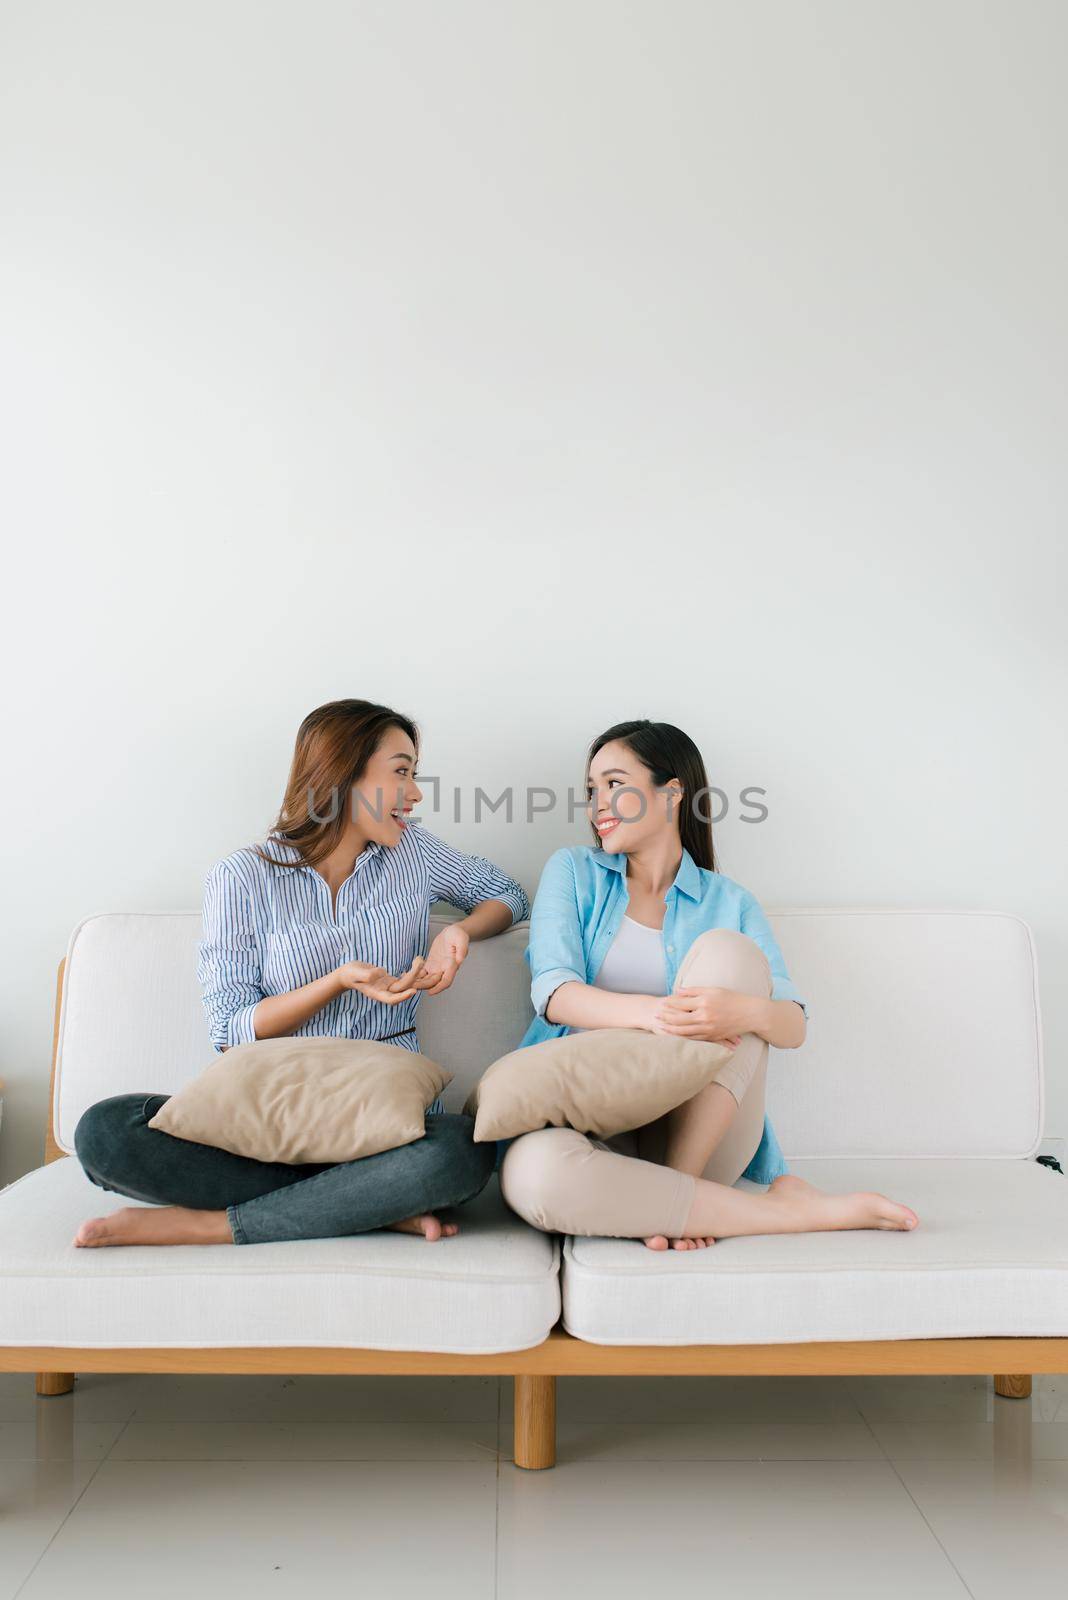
(726, 958)
(541, 1176)
(99, 1131)
(450, 1135)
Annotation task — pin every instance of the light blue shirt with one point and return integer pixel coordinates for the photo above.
(580, 903)
(268, 929)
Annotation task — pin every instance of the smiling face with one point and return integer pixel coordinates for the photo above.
(623, 802)
(387, 791)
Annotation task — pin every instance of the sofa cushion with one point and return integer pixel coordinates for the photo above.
(925, 1037)
(493, 1286)
(990, 1257)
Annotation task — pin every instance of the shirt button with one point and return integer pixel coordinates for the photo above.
(671, 949)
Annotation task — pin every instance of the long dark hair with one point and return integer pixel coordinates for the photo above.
(333, 746)
(669, 753)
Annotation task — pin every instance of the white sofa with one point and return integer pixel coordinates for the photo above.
(921, 1077)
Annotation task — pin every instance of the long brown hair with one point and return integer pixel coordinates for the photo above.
(669, 753)
(333, 746)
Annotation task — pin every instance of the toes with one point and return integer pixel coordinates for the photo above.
(891, 1213)
(91, 1231)
(895, 1213)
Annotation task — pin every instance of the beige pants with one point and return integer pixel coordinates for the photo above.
(564, 1181)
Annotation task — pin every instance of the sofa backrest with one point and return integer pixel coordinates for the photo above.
(924, 1037)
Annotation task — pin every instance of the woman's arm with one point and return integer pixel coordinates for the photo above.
(555, 953)
(488, 918)
(490, 899)
(228, 967)
(449, 949)
(562, 996)
(711, 1013)
(557, 960)
(228, 959)
(279, 1014)
(229, 970)
(702, 1012)
(782, 1024)
(757, 927)
(467, 881)
(583, 1005)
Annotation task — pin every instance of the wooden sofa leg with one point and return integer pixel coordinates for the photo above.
(535, 1421)
(1014, 1386)
(55, 1382)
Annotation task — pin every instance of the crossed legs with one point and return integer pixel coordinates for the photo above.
(200, 1194)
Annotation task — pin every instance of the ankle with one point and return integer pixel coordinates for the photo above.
(213, 1226)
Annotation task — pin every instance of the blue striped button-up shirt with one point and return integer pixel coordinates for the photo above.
(270, 929)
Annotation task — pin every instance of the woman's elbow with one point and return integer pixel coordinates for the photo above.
(224, 1026)
(515, 898)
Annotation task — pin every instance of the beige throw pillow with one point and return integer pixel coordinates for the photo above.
(600, 1081)
(306, 1099)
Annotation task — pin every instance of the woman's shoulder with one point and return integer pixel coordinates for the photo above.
(574, 858)
(572, 868)
(247, 865)
(729, 890)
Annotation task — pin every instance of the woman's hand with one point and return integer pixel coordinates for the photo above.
(719, 1015)
(444, 959)
(378, 984)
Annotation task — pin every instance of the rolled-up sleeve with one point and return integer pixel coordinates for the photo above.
(228, 959)
(466, 880)
(554, 952)
(756, 925)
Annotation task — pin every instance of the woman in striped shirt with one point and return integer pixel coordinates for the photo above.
(318, 932)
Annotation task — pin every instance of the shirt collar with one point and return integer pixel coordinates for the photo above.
(687, 879)
(282, 848)
(275, 844)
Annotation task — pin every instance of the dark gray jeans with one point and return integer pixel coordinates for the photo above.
(266, 1200)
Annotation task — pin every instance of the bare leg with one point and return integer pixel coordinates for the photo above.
(685, 1139)
(694, 1129)
(789, 1205)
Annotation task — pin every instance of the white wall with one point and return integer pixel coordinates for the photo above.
(530, 366)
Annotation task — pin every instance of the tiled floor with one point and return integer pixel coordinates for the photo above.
(137, 1487)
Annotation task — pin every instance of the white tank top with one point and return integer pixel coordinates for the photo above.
(634, 963)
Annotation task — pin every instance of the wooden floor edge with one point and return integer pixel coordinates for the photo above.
(563, 1355)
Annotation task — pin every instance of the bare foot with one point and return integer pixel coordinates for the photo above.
(660, 1241)
(427, 1224)
(156, 1225)
(816, 1211)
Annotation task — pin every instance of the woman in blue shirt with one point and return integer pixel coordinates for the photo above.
(319, 932)
(641, 931)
